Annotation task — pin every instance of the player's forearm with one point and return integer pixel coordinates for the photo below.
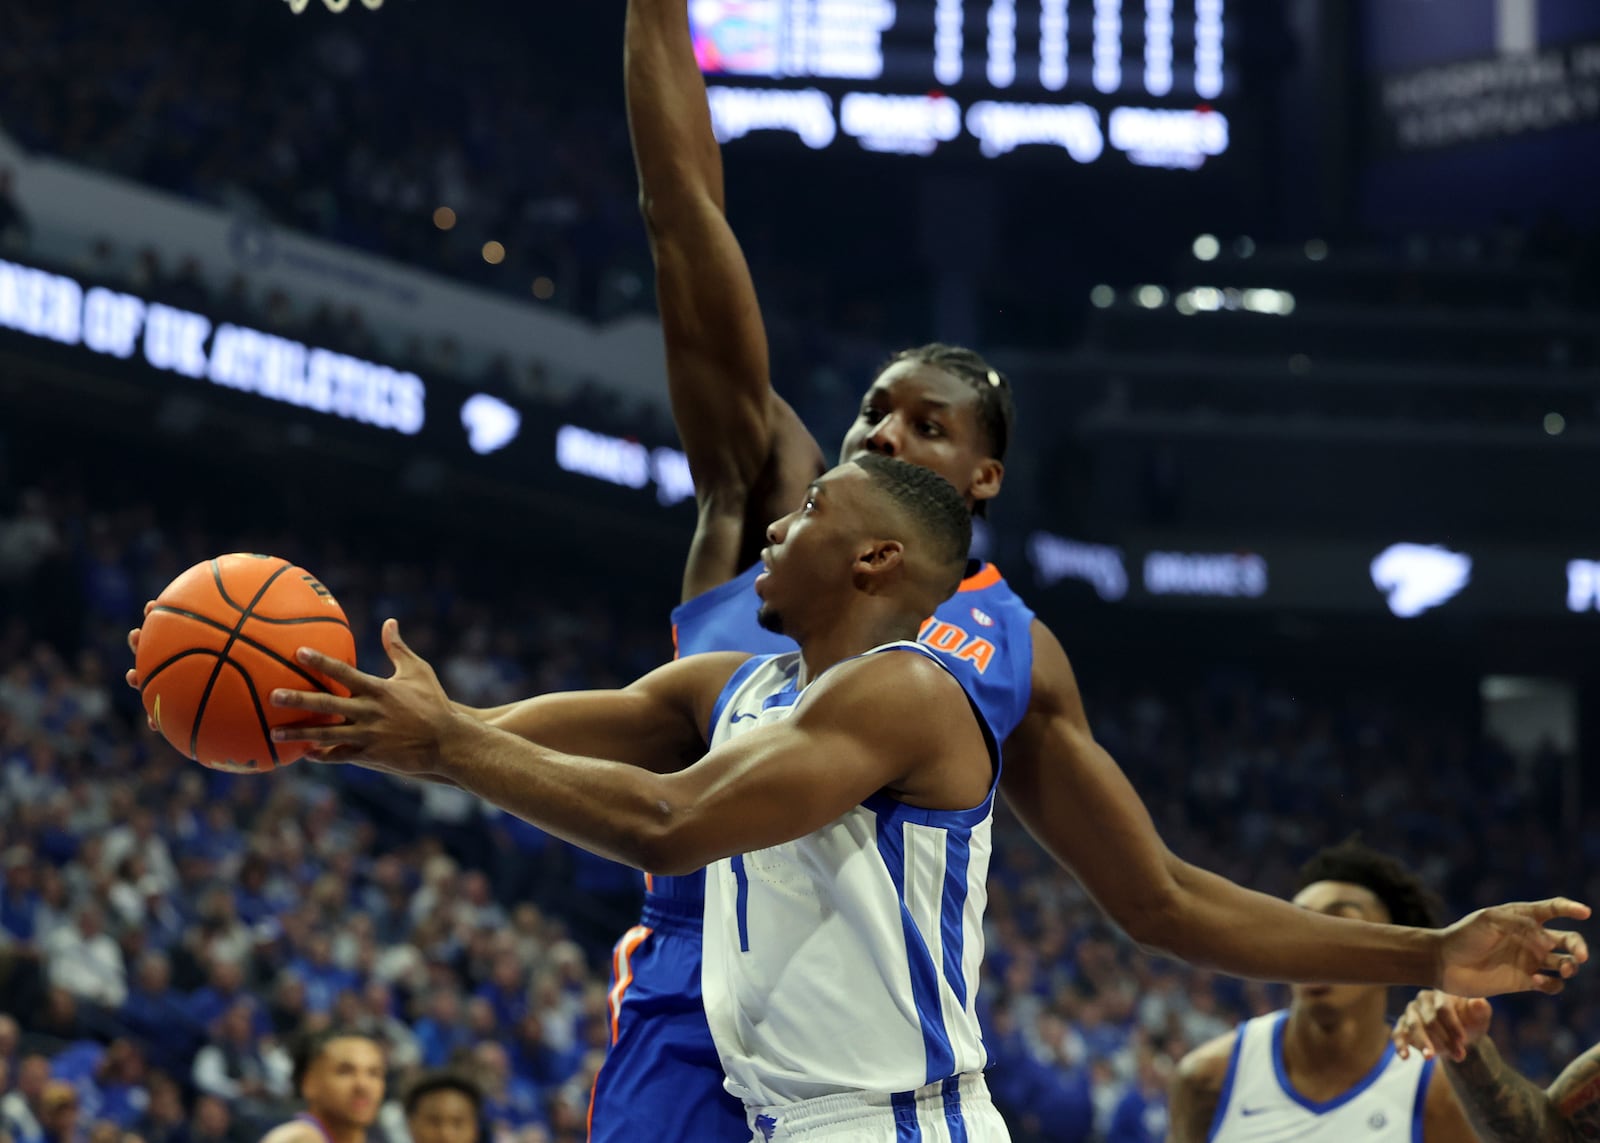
(1503, 1106)
(1213, 923)
(674, 147)
(610, 808)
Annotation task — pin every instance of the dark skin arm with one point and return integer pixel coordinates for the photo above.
(895, 722)
(1080, 807)
(750, 456)
(1196, 1090)
(1502, 1105)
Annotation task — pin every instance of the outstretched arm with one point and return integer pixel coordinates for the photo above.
(1502, 1105)
(884, 721)
(1078, 804)
(750, 456)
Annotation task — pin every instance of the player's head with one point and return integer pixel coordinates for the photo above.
(942, 407)
(874, 526)
(340, 1075)
(443, 1107)
(1353, 880)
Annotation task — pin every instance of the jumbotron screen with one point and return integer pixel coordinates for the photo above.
(1145, 82)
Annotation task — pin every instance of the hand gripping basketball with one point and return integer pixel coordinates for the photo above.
(395, 724)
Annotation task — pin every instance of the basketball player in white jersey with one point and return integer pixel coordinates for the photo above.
(1325, 1070)
(1503, 1105)
(843, 809)
(340, 1075)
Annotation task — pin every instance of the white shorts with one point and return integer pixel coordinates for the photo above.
(948, 1112)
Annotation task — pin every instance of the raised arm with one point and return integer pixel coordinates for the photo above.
(1502, 1105)
(893, 721)
(750, 456)
(1078, 804)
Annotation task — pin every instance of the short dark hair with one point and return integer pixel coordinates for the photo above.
(996, 410)
(932, 502)
(1408, 900)
(442, 1079)
(308, 1048)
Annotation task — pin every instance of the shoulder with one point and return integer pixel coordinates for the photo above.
(1576, 1092)
(295, 1131)
(906, 689)
(1206, 1068)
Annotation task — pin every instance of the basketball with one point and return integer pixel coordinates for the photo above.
(221, 638)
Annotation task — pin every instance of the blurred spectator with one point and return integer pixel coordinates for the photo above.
(212, 1122)
(510, 1102)
(59, 1114)
(86, 961)
(163, 1119)
(235, 1065)
(22, 1107)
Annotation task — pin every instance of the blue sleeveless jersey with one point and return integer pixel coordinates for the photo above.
(983, 632)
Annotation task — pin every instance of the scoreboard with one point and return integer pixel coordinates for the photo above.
(1141, 81)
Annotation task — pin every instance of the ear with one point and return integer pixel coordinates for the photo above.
(986, 479)
(877, 559)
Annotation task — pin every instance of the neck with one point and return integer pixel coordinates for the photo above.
(847, 635)
(337, 1130)
(1337, 1043)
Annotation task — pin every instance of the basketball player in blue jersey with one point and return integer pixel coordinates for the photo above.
(340, 1075)
(843, 809)
(1324, 1071)
(843, 806)
(947, 409)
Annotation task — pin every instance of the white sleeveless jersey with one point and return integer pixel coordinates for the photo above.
(1259, 1105)
(847, 960)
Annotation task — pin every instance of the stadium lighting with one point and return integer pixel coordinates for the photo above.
(1316, 250)
(1555, 424)
(543, 288)
(1206, 247)
(493, 252)
(1102, 297)
(444, 218)
(1244, 246)
(1150, 297)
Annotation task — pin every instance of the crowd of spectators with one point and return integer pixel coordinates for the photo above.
(165, 930)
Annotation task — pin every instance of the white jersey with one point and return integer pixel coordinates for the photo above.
(845, 961)
(1260, 1105)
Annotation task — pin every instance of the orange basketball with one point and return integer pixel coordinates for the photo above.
(221, 639)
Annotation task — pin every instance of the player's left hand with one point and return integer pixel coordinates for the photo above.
(1508, 949)
(395, 724)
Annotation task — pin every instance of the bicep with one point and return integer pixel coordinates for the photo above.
(658, 723)
(770, 786)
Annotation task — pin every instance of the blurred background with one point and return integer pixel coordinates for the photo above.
(1301, 302)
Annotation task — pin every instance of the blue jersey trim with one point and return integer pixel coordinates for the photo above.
(954, 1121)
(941, 1057)
(741, 904)
(691, 609)
(1227, 1085)
(1337, 1101)
(906, 1127)
(736, 680)
(957, 853)
(1419, 1109)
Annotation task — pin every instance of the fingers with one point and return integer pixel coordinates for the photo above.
(357, 682)
(1444, 1024)
(1554, 907)
(343, 734)
(317, 702)
(149, 606)
(1409, 1033)
(1571, 945)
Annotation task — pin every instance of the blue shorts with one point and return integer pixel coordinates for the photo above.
(661, 1079)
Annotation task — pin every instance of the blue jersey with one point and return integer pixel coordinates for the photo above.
(983, 632)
